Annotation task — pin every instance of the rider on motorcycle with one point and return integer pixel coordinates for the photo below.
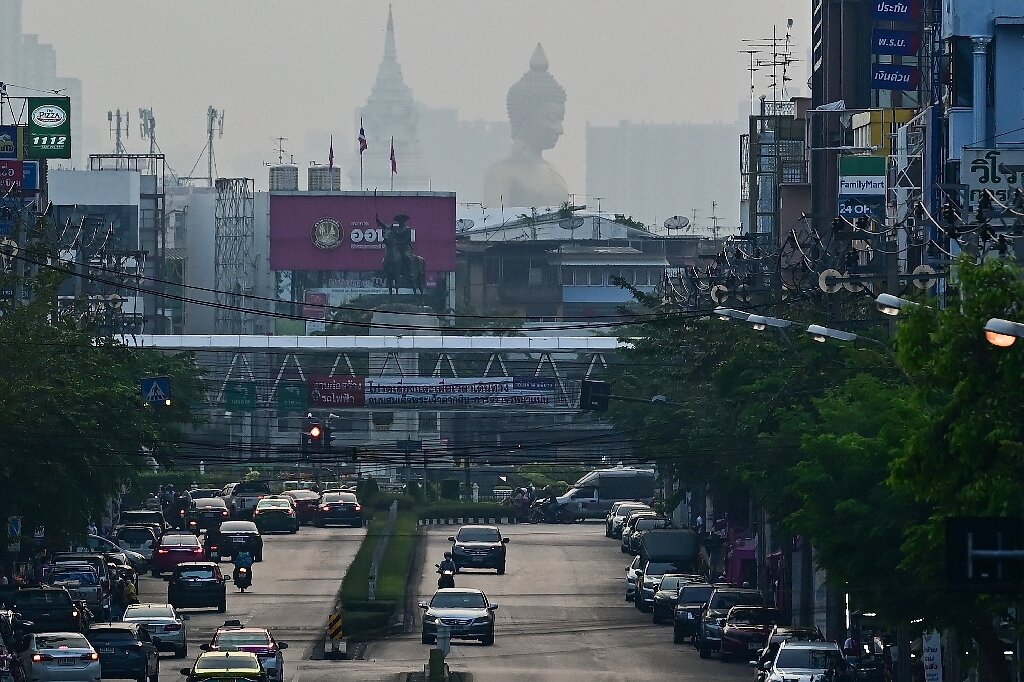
(447, 564)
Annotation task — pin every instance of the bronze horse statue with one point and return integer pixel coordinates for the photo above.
(402, 267)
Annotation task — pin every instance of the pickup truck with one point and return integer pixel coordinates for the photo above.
(242, 498)
(98, 599)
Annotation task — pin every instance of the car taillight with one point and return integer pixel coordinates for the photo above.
(257, 512)
(172, 628)
(325, 508)
(74, 614)
(213, 548)
(162, 551)
(91, 657)
(39, 658)
(198, 550)
(224, 513)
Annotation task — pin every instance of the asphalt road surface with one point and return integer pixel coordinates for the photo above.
(293, 592)
(562, 616)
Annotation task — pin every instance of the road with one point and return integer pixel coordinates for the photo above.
(293, 591)
(562, 616)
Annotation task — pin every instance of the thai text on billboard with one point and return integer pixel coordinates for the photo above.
(897, 10)
(898, 43)
(429, 392)
(1000, 171)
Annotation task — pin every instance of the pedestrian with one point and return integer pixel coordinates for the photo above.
(850, 646)
(3, 579)
(699, 524)
(92, 528)
(117, 605)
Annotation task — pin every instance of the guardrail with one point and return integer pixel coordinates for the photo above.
(379, 551)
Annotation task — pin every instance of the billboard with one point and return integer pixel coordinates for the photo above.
(897, 10)
(1000, 171)
(897, 43)
(436, 392)
(9, 142)
(895, 77)
(12, 177)
(49, 128)
(862, 183)
(345, 231)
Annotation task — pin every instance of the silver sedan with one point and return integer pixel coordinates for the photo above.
(164, 622)
(59, 657)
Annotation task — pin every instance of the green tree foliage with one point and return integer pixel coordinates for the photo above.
(72, 418)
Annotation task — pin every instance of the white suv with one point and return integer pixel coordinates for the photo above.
(805, 661)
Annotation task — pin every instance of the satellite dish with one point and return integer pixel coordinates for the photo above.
(463, 224)
(825, 285)
(853, 286)
(571, 223)
(924, 283)
(719, 293)
(677, 222)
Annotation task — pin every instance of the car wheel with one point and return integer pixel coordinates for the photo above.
(677, 637)
(427, 639)
(488, 640)
(222, 606)
(704, 650)
(501, 568)
(155, 677)
(182, 652)
(141, 678)
(156, 573)
(259, 556)
(656, 618)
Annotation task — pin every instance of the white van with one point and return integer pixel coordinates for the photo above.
(593, 495)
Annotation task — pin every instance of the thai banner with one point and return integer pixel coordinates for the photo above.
(895, 77)
(897, 43)
(897, 10)
(430, 392)
(49, 128)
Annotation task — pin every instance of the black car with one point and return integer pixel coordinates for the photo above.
(665, 597)
(197, 584)
(233, 537)
(713, 616)
(50, 609)
(338, 507)
(126, 651)
(689, 604)
(143, 517)
(206, 513)
(479, 547)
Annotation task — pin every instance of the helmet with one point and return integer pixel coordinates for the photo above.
(447, 555)
(170, 487)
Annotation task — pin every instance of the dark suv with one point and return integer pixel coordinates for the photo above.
(689, 604)
(479, 547)
(126, 651)
(713, 616)
(50, 609)
(197, 584)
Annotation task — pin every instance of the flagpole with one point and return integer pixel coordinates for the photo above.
(361, 187)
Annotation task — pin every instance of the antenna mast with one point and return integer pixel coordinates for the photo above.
(118, 126)
(147, 129)
(214, 122)
(280, 149)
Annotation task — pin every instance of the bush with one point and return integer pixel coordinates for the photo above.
(367, 490)
(450, 489)
(416, 492)
(456, 510)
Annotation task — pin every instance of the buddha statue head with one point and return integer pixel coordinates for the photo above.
(536, 105)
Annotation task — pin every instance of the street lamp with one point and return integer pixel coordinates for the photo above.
(761, 322)
(731, 314)
(892, 305)
(821, 334)
(1003, 333)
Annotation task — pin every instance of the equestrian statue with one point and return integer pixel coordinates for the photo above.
(402, 267)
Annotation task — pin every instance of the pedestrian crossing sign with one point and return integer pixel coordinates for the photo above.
(157, 390)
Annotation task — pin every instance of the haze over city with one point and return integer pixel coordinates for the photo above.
(301, 70)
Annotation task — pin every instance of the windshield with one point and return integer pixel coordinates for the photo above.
(478, 535)
(83, 578)
(238, 527)
(61, 640)
(221, 662)
(695, 595)
(339, 497)
(106, 635)
(648, 524)
(812, 659)
(273, 504)
(670, 583)
(205, 493)
(458, 600)
(257, 487)
(135, 535)
(303, 494)
(753, 617)
(149, 612)
(180, 541)
(230, 639)
(210, 502)
(42, 598)
(196, 574)
(727, 600)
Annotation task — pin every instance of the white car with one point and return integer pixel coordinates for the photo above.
(804, 661)
(139, 539)
(233, 636)
(60, 656)
(164, 622)
(632, 573)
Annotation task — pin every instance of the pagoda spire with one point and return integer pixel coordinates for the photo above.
(389, 40)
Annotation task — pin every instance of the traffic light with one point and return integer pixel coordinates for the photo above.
(328, 437)
(594, 395)
(312, 438)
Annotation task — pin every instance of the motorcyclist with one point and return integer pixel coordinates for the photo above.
(153, 502)
(447, 564)
(167, 497)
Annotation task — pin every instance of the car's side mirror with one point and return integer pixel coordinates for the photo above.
(424, 605)
(451, 538)
(492, 607)
(506, 540)
(282, 645)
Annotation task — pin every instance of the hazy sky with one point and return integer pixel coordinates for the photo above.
(299, 69)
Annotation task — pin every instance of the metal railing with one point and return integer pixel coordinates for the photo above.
(379, 551)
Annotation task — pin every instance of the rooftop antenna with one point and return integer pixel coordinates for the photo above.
(714, 219)
(752, 69)
(214, 120)
(280, 149)
(781, 57)
(147, 130)
(118, 126)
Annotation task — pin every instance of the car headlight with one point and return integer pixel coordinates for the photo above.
(427, 618)
(482, 620)
(689, 615)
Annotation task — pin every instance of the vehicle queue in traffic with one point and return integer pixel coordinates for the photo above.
(80, 618)
(734, 622)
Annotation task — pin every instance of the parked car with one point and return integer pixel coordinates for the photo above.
(797, 660)
(126, 650)
(622, 515)
(173, 549)
(632, 573)
(617, 514)
(713, 616)
(746, 631)
(60, 656)
(276, 513)
(233, 636)
(339, 507)
(628, 525)
(642, 525)
(479, 547)
(163, 622)
(650, 577)
(206, 513)
(49, 609)
(233, 537)
(466, 612)
(306, 502)
(230, 665)
(689, 604)
(665, 597)
(778, 635)
(140, 539)
(196, 585)
(593, 495)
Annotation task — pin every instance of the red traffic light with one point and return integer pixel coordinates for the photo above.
(314, 432)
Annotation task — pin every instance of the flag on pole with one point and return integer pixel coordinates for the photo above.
(362, 137)
(330, 157)
(394, 161)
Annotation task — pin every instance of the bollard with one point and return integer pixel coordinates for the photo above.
(435, 666)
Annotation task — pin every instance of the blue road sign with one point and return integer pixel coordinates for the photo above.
(156, 389)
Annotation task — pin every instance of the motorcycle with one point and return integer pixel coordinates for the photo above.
(447, 578)
(547, 511)
(242, 578)
(10, 667)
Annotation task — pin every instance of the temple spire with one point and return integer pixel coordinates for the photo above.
(389, 40)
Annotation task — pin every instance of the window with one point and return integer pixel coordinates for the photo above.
(567, 279)
(428, 421)
(458, 600)
(479, 535)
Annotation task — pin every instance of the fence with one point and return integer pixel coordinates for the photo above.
(380, 550)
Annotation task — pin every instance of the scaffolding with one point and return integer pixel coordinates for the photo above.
(234, 257)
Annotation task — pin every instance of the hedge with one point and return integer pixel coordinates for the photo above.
(463, 510)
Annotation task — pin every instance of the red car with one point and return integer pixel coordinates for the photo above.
(306, 502)
(173, 549)
(746, 631)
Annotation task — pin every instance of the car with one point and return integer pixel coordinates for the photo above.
(206, 513)
(58, 656)
(226, 665)
(196, 585)
(632, 573)
(614, 514)
(127, 651)
(796, 660)
(627, 526)
(81, 580)
(648, 580)
(639, 527)
(746, 630)
(49, 609)
(467, 612)
(96, 543)
(622, 513)
(143, 517)
(140, 539)
(276, 514)
(173, 549)
(164, 623)
(689, 603)
(98, 597)
(242, 497)
(779, 634)
(306, 502)
(233, 537)
(665, 597)
(479, 547)
(233, 636)
(338, 507)
(713, 616)
(204, 493)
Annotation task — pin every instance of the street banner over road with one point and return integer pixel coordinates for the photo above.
(431, 391)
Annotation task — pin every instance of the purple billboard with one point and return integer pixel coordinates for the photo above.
(346, 231)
